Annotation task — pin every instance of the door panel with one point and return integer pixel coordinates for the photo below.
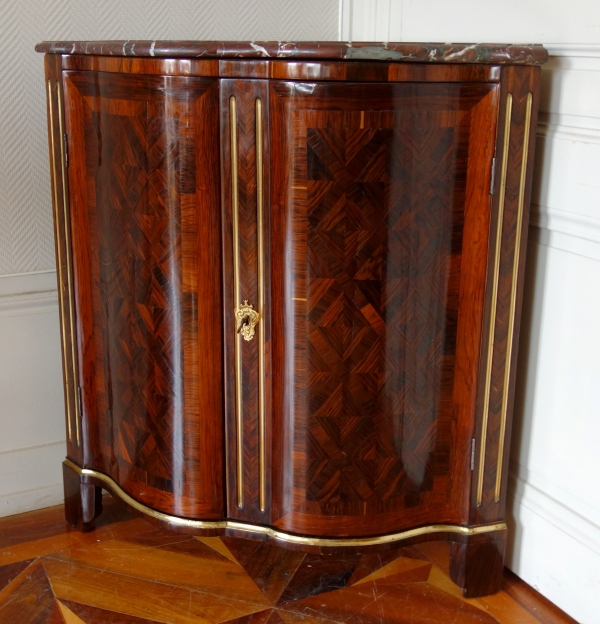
(145, 208)
(380, 213)
(245, 158)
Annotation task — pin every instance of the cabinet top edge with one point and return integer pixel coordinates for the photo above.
(474, 53)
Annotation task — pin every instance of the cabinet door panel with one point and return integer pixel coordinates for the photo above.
(145, 209)
(380, 212)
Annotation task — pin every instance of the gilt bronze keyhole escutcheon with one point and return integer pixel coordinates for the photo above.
(246, 318)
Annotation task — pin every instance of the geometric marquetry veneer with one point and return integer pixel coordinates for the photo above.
(290, 280)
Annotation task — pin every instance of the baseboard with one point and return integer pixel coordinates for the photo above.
(547, 557)
(31, 478)
(558, 513)
(30, 500)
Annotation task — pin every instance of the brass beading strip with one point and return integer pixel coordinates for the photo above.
(513, 298)
(281, 535)
(59, 267)
(239, 421)
(261, 306)
(71, 293)
(494, 304)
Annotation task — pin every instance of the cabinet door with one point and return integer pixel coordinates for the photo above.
(380, 215)
(145, 211)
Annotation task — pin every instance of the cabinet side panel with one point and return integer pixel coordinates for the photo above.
(381, 208)
(519, 101)
(60, 207)
(146, 224)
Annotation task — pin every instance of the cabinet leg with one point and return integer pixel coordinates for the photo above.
(477, 566)
(83, 502)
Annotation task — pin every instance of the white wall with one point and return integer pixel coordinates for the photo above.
(32, 443)
(31, 396)
(555, 460)
(554, 488)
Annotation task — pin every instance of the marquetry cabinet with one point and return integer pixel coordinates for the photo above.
(290, 280)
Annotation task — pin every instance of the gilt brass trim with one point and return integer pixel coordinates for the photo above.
(494, 304)
(239, 421)
(61, 300)
(282, 536)
(68, 250)
(513, 297)
(261, 309)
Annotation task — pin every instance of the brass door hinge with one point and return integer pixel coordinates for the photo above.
(493, 176)
(66, 143)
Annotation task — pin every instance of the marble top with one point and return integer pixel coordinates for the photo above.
(491, 53)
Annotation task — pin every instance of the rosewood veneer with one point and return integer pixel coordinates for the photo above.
(290, 281)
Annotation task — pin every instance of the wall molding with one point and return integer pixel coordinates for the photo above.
(33, 447)
(569, 223)
(580, 528)
(365, 20)
(39, 465)
(568, 133)
(30, 500)
(587, 50)
(21, 283)
(30, 303)
(28, 293)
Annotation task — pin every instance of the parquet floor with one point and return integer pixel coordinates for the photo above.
(130, 572)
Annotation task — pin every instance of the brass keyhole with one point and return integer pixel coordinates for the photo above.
(245, 322)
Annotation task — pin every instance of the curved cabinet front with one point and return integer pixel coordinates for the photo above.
(142, 171)
(380, 211)
(290, 292)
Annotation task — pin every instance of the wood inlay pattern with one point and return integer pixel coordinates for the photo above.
(377, 214)
(152, 288)
(51, 574)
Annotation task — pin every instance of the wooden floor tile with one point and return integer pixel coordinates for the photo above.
(371, 562)
(75, 613)
(401, 570)
(36, 525)
(12, 570)
(270, 616)
(68, 616)
(141, 598)
(69, 539)
(370, 603)
(216, 543)
(219, 577)
(442, 581)
(318, 574)
(290, 617)
(129, 571)
(270, 567)
(29, 598)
